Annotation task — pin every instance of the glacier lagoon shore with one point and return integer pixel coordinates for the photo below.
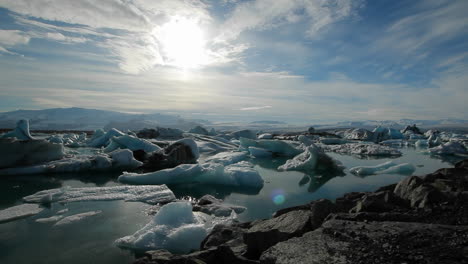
(280, 189)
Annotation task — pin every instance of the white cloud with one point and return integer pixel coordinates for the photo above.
(66, 39)
(252, 108)
(266, 14)
(13, 37)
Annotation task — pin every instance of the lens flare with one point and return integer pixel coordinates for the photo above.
(278, 197)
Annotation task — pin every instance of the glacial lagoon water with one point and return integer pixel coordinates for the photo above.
(92, 240)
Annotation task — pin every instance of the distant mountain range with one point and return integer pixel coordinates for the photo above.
(91, 119)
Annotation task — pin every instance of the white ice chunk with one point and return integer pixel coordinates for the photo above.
(76, 218)
(175, 228)
(21, 131)
(62, 211)
(15, 152)
(259, 152)
(265, 136)
(152, 194)
(183, 173)
(239, 174)
(449, 148)
(279, 147)
(51, 219)
(19, 211)
(132, 143)
(100, 140)
(384, 133)
(421, 143)
(212, 206)
(124, 158)
(304, 161)
(388, 167)
(306, 141)
(226, 158)
(243, 134)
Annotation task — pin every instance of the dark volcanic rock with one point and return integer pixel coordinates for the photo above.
(267, 233)
(341, 241)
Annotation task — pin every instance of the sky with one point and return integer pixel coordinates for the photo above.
(238, 60)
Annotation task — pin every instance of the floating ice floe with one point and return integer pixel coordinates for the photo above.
(175, 228)
(306, 141)
(69, 140)
(132, 143)
(241, 174)
(15, 152)
(277, 147)
(18, 212)
(21, 131)
(385, 168)
(362, 149)
(119, 159)
(390, 142)
(75, 218)
(152, 194)
(51, 219)
(449, 148)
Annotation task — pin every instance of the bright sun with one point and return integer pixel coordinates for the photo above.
(182, 43)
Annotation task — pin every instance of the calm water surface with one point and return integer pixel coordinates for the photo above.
(91, 240)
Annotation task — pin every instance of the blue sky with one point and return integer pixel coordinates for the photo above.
(288, 60)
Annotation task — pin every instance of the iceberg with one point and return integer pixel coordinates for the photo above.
(362, 149)
(118, 159)
(174, 228)
(14, 152)
(388, 167)
(148, 194)
(306, 141)
(259, 152)
(421, 143)
(227, 158)
(239, 174)
(304, 161)
(277, 147)
(384, 133)
(75, 218)
(132, 143)
(18, 212)
(101, 139)
(21, 131)
(357, 134)
(449, 148)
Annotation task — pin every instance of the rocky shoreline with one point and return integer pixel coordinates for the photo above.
(418, 220)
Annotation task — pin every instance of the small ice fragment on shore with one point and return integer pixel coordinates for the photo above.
(51, 219)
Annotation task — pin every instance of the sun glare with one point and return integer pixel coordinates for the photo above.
(183, 43)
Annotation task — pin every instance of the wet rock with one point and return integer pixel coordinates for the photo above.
(173, 155)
